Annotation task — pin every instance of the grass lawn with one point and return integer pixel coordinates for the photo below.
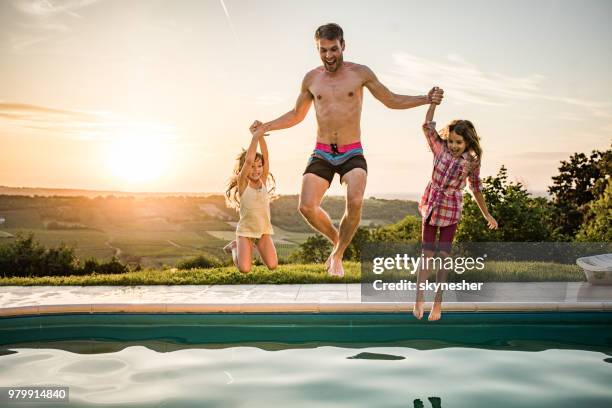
(303, 273)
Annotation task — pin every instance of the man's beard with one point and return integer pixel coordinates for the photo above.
(334, 67)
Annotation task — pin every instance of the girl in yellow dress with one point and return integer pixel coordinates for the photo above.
(249, 193)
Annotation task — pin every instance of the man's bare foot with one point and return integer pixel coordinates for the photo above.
(436, 312)
(335, 267)
(327, 263)
(229, 247)
(418, 309)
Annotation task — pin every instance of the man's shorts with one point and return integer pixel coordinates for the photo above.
(327, 160)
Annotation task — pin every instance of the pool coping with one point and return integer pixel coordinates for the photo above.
(293, 307)
(289, 298)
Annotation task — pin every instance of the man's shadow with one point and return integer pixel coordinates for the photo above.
(436, 402)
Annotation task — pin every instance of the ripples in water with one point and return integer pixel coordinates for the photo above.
(319, 377)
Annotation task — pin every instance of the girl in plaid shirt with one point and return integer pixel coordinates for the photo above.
(457, 155)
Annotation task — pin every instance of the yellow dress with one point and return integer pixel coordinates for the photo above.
(254, 213)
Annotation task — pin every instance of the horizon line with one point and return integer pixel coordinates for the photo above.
(202, 193)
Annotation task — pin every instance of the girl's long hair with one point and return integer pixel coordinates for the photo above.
(467, 131)
(232, 198)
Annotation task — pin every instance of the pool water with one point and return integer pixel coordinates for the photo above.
(467, 360)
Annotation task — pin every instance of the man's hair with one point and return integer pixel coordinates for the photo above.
(330, 31)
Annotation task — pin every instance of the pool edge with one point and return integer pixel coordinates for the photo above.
(294, 307)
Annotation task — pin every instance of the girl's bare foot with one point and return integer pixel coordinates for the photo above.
(436, 311)
(418, 309)
(229, 247)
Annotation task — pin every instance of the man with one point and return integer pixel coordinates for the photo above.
(337, 91)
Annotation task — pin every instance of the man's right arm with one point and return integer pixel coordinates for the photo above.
(295, 115)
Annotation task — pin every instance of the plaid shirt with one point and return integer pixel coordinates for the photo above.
(443, 196)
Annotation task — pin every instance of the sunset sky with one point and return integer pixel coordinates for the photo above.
(149, 95)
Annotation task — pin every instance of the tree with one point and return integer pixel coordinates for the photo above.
(353, 251)
(406, 230)
(315, 249)
(580, 181)
(521, 218)
(597, 226)
(26, 257)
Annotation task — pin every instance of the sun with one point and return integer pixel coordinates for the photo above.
(138, 159)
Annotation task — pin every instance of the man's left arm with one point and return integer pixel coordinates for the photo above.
(395, 101)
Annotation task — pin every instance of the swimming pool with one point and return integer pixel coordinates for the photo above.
(481, 359)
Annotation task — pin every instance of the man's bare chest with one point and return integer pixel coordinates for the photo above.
(325, 91)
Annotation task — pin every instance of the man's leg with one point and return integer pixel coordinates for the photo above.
(355, 181)
(313, 189)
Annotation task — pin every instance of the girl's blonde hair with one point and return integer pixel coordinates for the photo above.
(467, 131)
(232, 198)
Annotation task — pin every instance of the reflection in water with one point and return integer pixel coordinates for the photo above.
(375, 356)
(436, 402)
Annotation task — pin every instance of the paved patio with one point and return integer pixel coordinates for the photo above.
(306, 298)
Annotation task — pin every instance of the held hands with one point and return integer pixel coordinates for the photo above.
(435, 95)
(257, 129)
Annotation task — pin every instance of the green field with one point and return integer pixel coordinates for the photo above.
(161, 231)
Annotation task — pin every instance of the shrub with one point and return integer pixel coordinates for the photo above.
(26, 257)
(521, 218)
(598, 218)
(315, 249)
(200, 261)
(407, 230)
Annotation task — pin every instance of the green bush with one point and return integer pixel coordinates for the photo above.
(353, 251)
(407, 230)
(521, 218)
(200, 261)
(315, 249)
(26, 257)
(598, 218)
(112, 267)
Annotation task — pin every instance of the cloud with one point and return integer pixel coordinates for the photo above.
(18, 43)
(39, 27)
(28, 111)
(80, 125)
(45, 26)
(468, 83)
(46, 8)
